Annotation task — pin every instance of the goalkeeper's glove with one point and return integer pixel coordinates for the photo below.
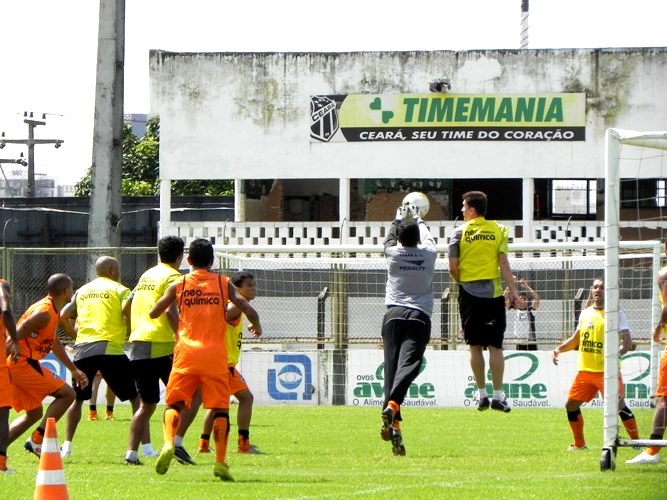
(412, 212)
(400, 213)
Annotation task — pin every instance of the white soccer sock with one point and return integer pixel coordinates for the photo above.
(132, 455)
(147, 449)
(178, 440)
(482, 393)
(66, 447)
(498, 395)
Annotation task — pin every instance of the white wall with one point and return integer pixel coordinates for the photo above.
(236, 115)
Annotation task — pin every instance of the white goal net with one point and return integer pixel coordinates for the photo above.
(635, 175)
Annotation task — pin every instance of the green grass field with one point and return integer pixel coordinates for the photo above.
(336, 452)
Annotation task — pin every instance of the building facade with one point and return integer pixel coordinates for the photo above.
(329, 143)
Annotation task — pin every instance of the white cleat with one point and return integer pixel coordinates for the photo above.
(644, 458)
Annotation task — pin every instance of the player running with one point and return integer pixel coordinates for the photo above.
(36, 334)
(244, 281)
(7, 328)
(200, 356)
(152, 343)
(98, 307)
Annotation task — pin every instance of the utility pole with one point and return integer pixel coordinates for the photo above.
(31, 142)
(20, 161)
(524, 24)
(105, 196)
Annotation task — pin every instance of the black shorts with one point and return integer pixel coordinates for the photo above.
(115, 370)
(483, 320)
(147, 375)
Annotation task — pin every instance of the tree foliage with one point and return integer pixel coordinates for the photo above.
(141, 169)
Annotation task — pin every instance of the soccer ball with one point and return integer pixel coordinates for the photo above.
(420, 200)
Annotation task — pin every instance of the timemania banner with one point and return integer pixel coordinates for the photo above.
(448, 117)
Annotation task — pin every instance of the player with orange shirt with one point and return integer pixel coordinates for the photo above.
(7, 327)
(200, 355)
(36, 334)
(244, 281)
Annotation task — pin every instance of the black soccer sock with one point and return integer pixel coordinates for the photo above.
(625, 413)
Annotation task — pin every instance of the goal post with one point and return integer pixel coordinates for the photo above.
(631, 155)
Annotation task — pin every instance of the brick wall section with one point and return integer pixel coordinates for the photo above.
(382, 207)
(275, 203)
(327, 208)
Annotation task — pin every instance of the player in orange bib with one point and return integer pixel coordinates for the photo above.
(244, 281)
(7, 327)
(36, 333)
(200, 355)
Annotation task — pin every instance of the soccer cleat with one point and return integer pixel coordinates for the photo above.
(92, 415)
(163, 461)
(204, 446)
(108, 415)
(577, 448)
(182, 456)
(135, 462)
(250, 449)
(397, 446)
(484, 404)
(498, 405)
(644, 458)
(222, 471)
(387, 421)
(35, 449)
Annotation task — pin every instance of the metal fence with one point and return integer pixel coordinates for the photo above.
(333, 296)
(28, 269)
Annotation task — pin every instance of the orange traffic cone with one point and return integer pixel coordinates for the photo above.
(50, 476)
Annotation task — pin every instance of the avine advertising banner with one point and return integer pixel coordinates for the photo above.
(448, 117)
(445, 380)
(531, 380)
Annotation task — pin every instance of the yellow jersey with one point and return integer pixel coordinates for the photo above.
(148, 291)
(99, 310)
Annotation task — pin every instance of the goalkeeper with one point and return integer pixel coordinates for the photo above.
(410, 251)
